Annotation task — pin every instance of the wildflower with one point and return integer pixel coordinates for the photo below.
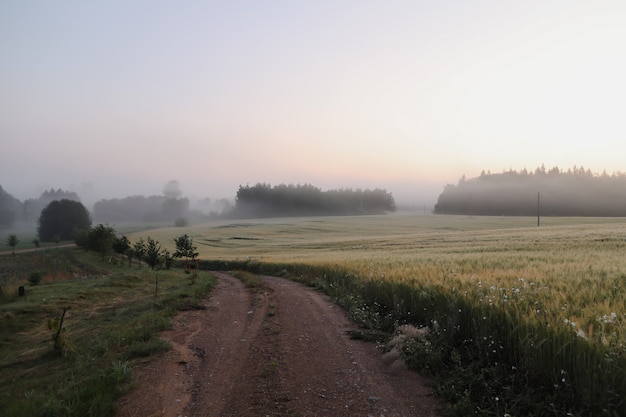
(608, 318)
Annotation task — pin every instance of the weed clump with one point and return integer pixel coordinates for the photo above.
(35, 277)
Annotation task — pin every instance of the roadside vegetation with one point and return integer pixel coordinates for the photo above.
(67, 347)
(514, 319)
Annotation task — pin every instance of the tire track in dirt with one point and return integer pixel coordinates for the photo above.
(278, 350)
(292, 356)
(228, 331)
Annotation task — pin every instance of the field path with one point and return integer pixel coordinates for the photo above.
(278, 350)
(18, 251)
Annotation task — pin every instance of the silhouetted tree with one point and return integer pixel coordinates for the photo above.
(153, 253)
(154, 259)
(172, 189)
(9, 209)
(575, 192)
(186, 249)
(168, 259)
(101, 239)
(263, 200)
(121, 246)
(12, 241)
(139, 250)
(140, 209)
(62, 219)
(32, 207)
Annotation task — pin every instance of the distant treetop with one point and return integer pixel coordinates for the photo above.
(575, 192)
(264, 200)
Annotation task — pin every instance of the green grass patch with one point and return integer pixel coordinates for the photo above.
(112, 318)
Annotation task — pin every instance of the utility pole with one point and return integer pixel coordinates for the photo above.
(538, 208)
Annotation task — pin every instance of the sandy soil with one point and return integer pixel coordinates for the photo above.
(280, 351)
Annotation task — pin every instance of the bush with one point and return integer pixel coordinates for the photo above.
(62, 220)
(35, 278)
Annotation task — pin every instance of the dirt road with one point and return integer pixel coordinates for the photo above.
(279, 351)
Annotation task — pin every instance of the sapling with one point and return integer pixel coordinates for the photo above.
(61, 345)
(154, 259)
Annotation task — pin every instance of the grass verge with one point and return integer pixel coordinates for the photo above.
(79, 363)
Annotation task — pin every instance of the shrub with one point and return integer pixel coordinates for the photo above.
(35, 278)
(62, 219)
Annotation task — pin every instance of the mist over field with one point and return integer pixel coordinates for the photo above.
(543, 192)
(111, 100)
(207, 198)
(258, 201)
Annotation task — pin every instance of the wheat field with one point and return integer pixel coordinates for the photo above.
(521, 317)
(571, 265)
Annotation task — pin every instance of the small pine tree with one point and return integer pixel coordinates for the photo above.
(12, 241)
(186, 249)
(139, 250)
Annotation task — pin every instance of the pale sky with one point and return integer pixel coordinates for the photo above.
(115, 98)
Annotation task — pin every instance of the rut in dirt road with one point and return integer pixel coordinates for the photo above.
(223, 344)
(283, 350)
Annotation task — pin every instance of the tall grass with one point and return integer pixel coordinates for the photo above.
(494, 350)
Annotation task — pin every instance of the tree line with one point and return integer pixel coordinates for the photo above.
(553, 192)
(264, 200)
(13, 210)
(9, 209)
(105, 241)
(261, 200)
(137, 209)
(141, 209)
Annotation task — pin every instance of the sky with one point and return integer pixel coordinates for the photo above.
(116, 98)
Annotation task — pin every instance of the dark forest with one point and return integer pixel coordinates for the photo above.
(575, 192)
(264, 200)
(261, 200)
